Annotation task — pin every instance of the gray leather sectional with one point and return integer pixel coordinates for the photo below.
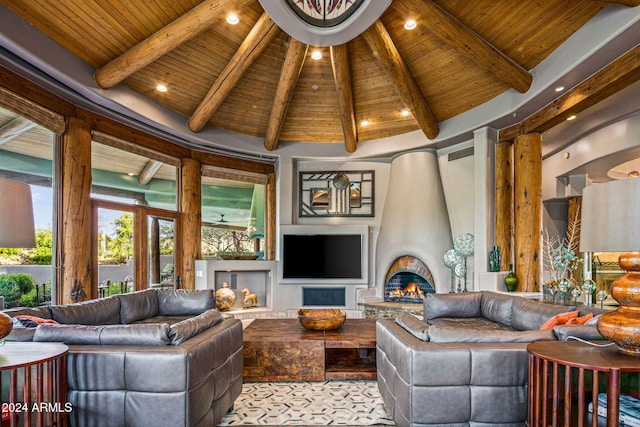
(465, 364)
(149, 358)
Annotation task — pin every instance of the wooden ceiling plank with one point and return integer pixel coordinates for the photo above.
(14, 129)
(291, 68)
(614, 77)
(387, 55)
(468, 42)
(166, 39)
(149, 171)
(253, 45)
(342, 76)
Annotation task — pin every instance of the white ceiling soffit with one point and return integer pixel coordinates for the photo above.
(292, 24)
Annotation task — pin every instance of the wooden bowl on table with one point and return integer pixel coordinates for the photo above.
(321, 319)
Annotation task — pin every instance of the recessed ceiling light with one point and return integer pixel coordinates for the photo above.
(161, 88)
(316, 54)
(410, 24)
(405, 112)
(571, 117)
(315, 87)
(233, 19)
(131, 174)
(364, 122)
(559, 89)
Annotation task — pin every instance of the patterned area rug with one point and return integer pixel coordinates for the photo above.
(328, 403)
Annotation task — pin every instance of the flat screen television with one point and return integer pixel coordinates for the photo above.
(324, 254)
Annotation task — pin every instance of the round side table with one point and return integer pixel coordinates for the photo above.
(36, 374)
(551, 397)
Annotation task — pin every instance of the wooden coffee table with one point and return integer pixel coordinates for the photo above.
(282, 350)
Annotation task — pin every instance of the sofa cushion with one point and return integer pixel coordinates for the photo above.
(583, 332)
(182, 331)
(438, 333)
(465, 304)
(94, 312)
(470, 323)
(156, 334)
(42, 312)
(559, 319)
(530, 314)
(581, 320)
(27, 321)
(138, 305)
(176, 302)
(497, 307)
(416, 327)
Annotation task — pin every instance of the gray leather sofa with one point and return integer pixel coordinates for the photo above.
(149, 358)
(465, 363)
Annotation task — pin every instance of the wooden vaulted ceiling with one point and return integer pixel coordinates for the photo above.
(252, 78)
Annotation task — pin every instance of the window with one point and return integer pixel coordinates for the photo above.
(26, 155)
(233, 214)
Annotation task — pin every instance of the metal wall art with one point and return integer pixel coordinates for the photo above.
(336, 193)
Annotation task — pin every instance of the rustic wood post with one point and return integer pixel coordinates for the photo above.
(504, 202)
(528, 211)
(191, 221)
(270, 218)
(76, 223)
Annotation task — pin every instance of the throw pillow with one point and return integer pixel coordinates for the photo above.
(579, 320)
(559, 319)
(33, 321)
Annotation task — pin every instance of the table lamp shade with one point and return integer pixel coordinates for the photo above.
(16, 215)
(610, 218)
(611, 223)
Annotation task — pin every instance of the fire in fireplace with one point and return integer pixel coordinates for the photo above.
(407, 287)
(408, 280)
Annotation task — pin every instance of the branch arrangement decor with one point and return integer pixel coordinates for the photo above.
(560, 257)
(336, 193)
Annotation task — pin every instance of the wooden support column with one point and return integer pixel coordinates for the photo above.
(527, 184)
(504, 202)
(191, 221)
(270, 218)
(76, 222)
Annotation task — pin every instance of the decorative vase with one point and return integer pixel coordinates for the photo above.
(511, 281)
(225, 298)
(6, 325)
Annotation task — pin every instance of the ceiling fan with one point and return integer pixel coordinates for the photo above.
(222, 220)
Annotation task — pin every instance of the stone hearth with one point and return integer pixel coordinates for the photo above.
(389, 310)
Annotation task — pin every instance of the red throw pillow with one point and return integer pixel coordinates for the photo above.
(559, 319)
(580, 320)
(33, 321)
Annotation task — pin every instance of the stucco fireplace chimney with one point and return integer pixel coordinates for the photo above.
(414, 221)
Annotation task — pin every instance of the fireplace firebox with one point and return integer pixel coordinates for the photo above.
(408, 281)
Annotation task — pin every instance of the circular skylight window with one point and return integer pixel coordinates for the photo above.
(324, 13)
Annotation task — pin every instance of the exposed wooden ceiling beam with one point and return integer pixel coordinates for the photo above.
(291, 68)
(14, 129)
(387, 55)
(164, 40)
(467, 42)
(149, 171)
(630, 3)
(256, 42)
(342, 79)
(614, 77)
